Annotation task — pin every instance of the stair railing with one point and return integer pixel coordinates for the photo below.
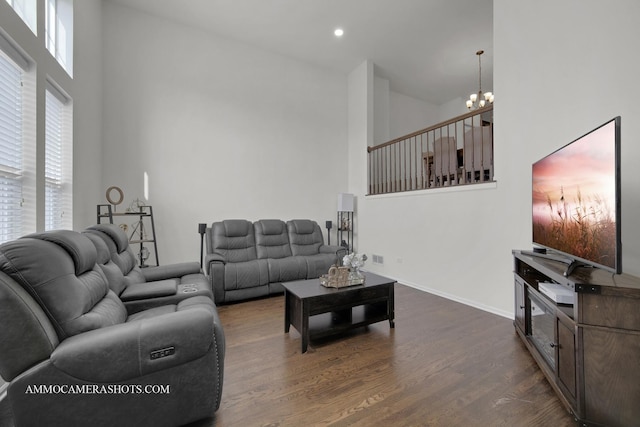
(455, 152)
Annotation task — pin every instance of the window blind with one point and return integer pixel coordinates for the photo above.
(57, 161)
(11, 165)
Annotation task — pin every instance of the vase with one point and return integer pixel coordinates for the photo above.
(355, 275)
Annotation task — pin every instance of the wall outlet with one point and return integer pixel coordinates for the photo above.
(377, 259)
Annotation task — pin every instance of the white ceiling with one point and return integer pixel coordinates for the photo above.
(426, 48)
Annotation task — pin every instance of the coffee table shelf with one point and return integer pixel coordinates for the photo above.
(326, 324)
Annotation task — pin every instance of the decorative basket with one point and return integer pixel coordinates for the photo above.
(340, 277)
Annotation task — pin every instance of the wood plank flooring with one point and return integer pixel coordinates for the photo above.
(444, 364)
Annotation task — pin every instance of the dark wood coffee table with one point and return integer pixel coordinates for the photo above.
(316, 311)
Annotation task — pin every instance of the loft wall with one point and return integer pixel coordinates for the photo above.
(223, 130)
(551, 87)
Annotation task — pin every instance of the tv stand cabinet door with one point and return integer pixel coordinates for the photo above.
(566, 357)
(611, 376)
(520, 304)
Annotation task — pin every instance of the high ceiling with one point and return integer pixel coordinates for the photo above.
(426, 48)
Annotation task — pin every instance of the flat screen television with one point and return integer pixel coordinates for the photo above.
(576, 200)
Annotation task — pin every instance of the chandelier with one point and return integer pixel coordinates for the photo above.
(479, 100)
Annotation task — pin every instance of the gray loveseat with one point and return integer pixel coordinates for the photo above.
(74, 355)
(143, 288)
(247, 260)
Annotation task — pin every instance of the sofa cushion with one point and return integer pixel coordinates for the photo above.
(121, 253)
(239, 275)
(116, 233)
(287, 269)
(319, 264)
(236, 228)
(81, 250)
(271, 227)
(305, 237)
(114, 275)
(234, 239)
(272, 239)
(196, 302)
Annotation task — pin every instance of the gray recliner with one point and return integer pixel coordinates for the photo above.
(74, 357)
(272, 244)
(306, 240)
(235, 271)
(143, 288)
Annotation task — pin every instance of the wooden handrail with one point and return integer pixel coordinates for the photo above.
(431, 128)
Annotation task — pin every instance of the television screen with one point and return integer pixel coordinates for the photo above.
(576, 199)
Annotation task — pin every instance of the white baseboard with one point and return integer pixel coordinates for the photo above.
(456, 298)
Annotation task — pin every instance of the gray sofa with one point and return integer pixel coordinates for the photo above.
(248, 260)
(74, 356)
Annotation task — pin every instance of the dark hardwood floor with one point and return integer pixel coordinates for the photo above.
(444, 364)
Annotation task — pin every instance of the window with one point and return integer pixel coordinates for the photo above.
(26, 9)
(59, 32)
(58, 194)
(35, 195)
(17, 186)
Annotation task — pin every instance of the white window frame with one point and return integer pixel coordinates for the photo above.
(27, 10)
(59, 32)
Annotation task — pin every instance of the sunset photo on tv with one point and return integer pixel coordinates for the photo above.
(574, 198)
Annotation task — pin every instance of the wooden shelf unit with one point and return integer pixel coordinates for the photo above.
(345, 230)
(138, 236)
(589, 351)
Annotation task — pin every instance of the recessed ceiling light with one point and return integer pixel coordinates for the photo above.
(339, 32)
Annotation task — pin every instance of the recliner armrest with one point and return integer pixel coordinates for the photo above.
(145, 290)
(212, 260)
(214, 257)
(170, 271)
(125, 351)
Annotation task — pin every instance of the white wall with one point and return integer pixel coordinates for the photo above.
(88, 189)
(224, 130)
(396, 114)
(458, 243)
(453, 108)
(583, 64)
(407, 115)
(381, 116)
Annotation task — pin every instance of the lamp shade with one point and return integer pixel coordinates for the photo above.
(345, 202)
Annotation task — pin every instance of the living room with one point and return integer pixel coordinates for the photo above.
(331, 113)
(227, 130)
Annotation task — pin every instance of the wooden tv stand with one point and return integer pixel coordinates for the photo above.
(589, 351)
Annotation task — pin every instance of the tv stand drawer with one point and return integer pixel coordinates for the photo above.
(612, 311)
